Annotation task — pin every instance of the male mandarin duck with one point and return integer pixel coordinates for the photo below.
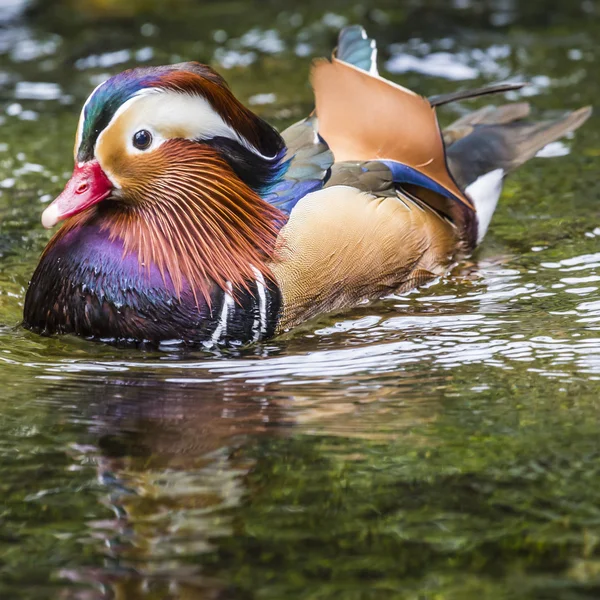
(190, 218)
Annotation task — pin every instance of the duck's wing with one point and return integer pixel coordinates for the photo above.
(309, 157)
(375, 177)
(372, 176)
(308, 162)
(502, 138)
(398, 204)
(364, 118)
(381, 223)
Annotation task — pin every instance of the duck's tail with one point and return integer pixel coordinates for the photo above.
(482, 147)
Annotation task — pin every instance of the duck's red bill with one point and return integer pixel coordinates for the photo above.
(88, 186)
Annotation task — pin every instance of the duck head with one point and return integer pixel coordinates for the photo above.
(173, 149)
(169, 169)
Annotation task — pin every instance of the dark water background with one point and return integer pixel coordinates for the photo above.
(442, 444)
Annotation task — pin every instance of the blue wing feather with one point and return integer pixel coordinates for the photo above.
(307, 166)
(402, 173)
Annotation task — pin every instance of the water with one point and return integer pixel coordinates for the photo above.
(442, 444)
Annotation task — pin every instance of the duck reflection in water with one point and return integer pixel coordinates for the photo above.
(168, 456)
(187, 469)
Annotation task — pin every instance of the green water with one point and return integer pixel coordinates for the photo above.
(442, 444)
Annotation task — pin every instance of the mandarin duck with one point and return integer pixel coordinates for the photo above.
(190, 218)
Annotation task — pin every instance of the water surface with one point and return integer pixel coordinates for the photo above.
(441, 444)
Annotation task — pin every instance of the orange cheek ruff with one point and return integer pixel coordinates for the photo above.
(185, 210)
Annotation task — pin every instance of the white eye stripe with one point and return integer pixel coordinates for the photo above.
(164, 111)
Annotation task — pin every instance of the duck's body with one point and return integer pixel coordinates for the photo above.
(213, 229)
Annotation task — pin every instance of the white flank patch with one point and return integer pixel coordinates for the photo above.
(221, 328)
(260, 324)
(485, 192)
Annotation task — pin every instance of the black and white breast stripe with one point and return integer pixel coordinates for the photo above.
(246, 316)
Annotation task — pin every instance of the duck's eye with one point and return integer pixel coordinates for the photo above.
(142, 139)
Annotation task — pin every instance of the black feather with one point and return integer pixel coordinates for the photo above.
(495, 88)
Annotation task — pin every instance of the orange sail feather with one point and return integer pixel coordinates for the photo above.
(365, 117)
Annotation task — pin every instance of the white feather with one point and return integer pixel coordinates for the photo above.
(260, 325)
(373, 69)
(485, 192)
(221, 328)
